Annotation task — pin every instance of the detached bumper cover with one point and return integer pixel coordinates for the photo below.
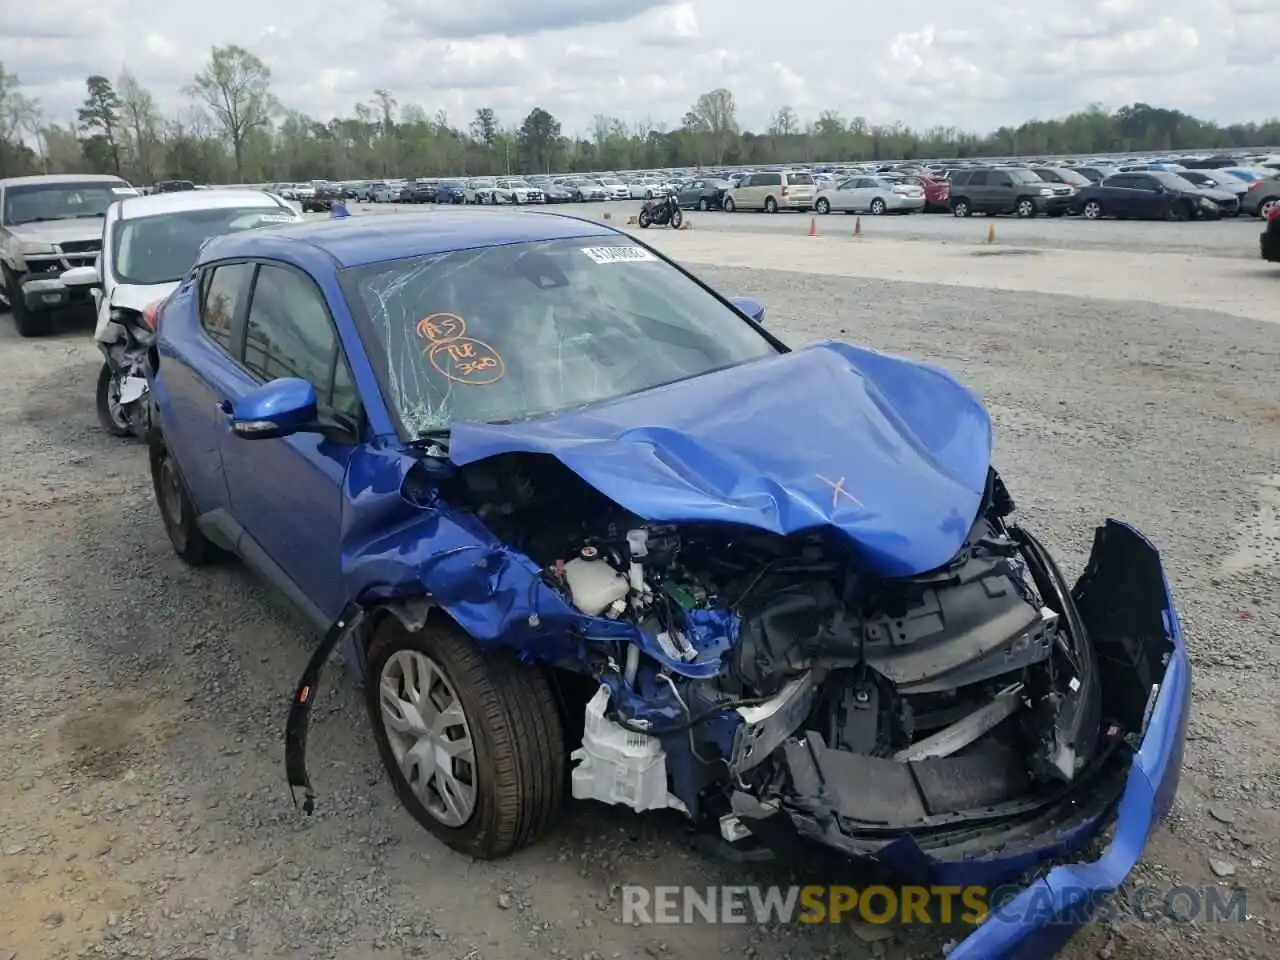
(1269, 242)
(1037, 922)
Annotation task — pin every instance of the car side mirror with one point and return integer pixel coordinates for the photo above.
(277, 409)
(81, 277)
(752, 308)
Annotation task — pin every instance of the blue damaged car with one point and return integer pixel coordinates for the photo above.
(588, 527)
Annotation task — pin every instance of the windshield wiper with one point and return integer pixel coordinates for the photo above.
(87, 216)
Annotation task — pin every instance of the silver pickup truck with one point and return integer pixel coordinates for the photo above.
(50, 224)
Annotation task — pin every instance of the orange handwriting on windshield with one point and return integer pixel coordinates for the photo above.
(456, 357)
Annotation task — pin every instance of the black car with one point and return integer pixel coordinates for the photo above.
(1095, 174)
(419, 192)
(173, 186)
(705, 194)
(324, 198)
(451, 191)
(1145, 195)
(1270, 238)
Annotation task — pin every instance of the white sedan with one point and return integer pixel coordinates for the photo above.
(148, 245)
(874, 195)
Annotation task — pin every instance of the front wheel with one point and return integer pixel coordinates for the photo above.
(1026, 209)
(729, 205)
(823, 205)
(472, 743)
(770, 205)
(1092, 210)
(1265, 208)
(30, 323)
(877, 207)
(645, 218)
(677, 218)
(111, 416)
(704, 204)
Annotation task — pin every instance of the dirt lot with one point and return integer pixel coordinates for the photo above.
(141, 703)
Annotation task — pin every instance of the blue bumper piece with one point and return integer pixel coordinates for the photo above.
(1035, 924)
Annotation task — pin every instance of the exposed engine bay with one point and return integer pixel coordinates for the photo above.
(779, 677)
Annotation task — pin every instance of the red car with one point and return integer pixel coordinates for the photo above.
(937, 193)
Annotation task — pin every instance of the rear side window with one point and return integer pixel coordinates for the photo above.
(803, 179)
(960, 177)
(978, 178)
(769, 180)
(745, 181)
(222, 292)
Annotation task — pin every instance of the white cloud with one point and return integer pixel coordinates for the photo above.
(967, 63)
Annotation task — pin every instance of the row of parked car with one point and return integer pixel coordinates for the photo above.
(1161, 191)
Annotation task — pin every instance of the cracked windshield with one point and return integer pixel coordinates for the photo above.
(516, 331)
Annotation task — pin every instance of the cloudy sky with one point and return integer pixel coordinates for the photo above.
(971, 63)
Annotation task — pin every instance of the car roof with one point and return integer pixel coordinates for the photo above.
(54, 178)
(183, 200)
(357, 241)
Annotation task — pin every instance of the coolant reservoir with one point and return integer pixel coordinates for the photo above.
(594, 585)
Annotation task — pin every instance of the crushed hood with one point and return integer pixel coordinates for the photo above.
(890, 453)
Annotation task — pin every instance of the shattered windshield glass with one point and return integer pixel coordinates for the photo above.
(508, 332)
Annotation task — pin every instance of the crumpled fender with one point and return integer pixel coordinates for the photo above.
(400, 540)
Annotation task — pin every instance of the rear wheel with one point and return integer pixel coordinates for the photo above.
(1265, 208)
(704, 204)
(473, 743)
(677, 218)
(176, 509)
(770, 205)
(729, 205)
(1026, 208)
(877, 207)
(960, 208)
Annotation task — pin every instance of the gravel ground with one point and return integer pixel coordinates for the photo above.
(141, 703)
(1235, 237)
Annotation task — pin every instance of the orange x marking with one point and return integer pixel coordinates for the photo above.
(838, 491)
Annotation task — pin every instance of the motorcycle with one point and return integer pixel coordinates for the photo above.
(662, 211)
(123, 396)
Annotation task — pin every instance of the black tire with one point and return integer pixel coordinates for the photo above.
(1266, 206)
(704, 204)
(728, 205)
(102, 401)
(770, 205)
(645, 219)
(1178, 212)
(677, 218)
(1026, 208)
(1092, 210)
(960, 208)
(823, 205)
(30, 323)
(878, 207)
(176, 510)
(520, 756)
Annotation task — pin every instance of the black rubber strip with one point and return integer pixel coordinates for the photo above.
(299, 722)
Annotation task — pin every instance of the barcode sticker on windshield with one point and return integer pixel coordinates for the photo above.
(618, 254)
(124, 191)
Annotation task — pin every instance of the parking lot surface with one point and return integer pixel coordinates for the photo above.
(142, 703)
(1234, 237)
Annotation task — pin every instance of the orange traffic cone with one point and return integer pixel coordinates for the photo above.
(857, 226)
(813, 226)
(991, 233)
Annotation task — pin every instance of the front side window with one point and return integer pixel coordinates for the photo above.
(509, 332)
(288, 333)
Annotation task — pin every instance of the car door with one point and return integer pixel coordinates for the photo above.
(855, 194)
(1149, 200)
(1121, 196)
(691, 193)
(977, 191)
(998, 192)
(286, 494)
(196, 376)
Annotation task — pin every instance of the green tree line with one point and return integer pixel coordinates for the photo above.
(235, 130)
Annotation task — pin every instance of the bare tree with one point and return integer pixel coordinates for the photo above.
(718, 113)
(19, 114)
(142, 124)
(236, 87)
